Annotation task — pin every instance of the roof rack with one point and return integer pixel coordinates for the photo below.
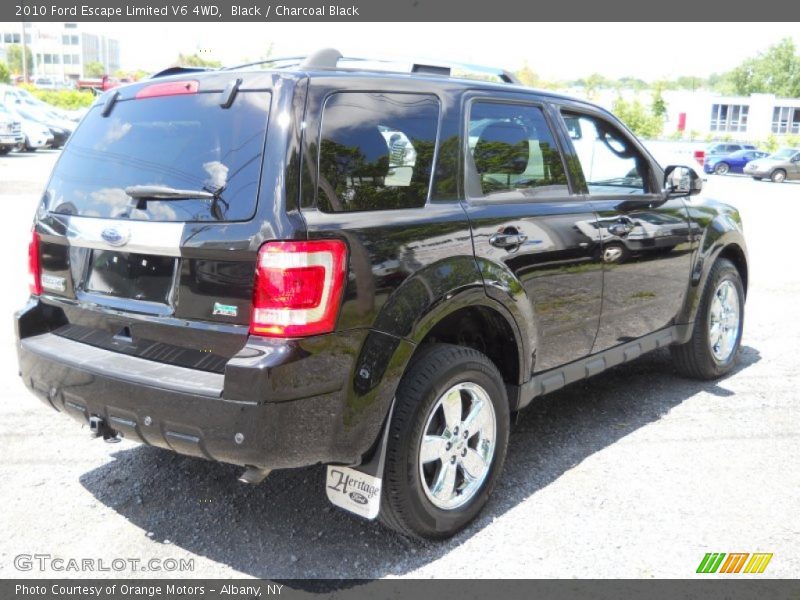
(330, 58)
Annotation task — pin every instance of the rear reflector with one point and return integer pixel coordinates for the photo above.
(34, 270)
(168, 88)
(298, 288)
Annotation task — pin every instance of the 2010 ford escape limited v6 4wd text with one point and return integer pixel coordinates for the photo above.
(322, 263)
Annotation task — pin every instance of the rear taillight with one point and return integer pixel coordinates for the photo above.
(700, 156)
(168, 88)
(34, 270)
(298, 288)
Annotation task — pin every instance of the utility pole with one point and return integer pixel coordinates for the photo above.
(24, 55)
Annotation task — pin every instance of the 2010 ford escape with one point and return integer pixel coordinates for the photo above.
(370, 270)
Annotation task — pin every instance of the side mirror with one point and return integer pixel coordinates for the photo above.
(681, 181)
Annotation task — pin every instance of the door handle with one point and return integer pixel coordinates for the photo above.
(507, 240)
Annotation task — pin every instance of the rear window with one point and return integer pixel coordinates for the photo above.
(185, 142)
(376, 151)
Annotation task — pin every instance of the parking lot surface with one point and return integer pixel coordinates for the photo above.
(635, 473)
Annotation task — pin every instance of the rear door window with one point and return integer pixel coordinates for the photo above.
(376, 151)
(184, 142)
(513, 153)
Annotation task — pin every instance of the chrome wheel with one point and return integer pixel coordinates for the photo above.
(721, 168)
(778, 176)
(457, 446)
(724, 321)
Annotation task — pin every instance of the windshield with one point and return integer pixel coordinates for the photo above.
(185, 142)
(785, 154)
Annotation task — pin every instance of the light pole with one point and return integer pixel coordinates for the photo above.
(24, 55)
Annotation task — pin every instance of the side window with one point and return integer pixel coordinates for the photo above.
(513, 153)
(376, 151)
(610, 163)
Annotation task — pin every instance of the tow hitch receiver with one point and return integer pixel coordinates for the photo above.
(100, 428)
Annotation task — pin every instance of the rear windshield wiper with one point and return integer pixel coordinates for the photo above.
(163, 192)
(142, 193)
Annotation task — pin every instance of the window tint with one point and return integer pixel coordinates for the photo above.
(513, 153)
(185, 142)
(611, 165)
(376, 151)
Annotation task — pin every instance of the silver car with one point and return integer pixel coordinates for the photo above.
(783, 165)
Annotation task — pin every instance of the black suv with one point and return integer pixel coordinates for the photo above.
(312, 264)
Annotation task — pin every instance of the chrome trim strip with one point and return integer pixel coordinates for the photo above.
(143, 237)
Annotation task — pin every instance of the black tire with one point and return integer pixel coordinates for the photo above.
(721, 168)
(404, 504)
(4, 150)
(778, 176)
(757, 178)
(695, 358)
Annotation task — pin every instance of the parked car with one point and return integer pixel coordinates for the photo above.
(783, 165)
(731, 163)
(724, 148)
(10, 131)
(60, 130)
(49, 83)
(11, 95)
(374, 271)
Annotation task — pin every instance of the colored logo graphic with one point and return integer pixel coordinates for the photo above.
(734, 562)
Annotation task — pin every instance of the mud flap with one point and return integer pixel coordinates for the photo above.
(358, 489)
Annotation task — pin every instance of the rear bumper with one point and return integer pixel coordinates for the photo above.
(298, 412)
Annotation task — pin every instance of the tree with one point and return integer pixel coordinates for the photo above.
(643, 123)
(5, 74)
(94, 69)
(14, 56)
(527, 76)
(776, 71)
(658, 107)
(195, 60)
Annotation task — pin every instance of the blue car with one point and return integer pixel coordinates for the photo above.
(731, 163)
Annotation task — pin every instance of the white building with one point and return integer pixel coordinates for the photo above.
(62, 50)
(703, 114)
(746, 118)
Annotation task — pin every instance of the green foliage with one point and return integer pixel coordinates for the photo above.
(658, 107)
(14, 57)
(94, 69)
(638, 119)
(195, 60)
(65, 99)
(771, 145)
(676, 136)
(5, 74)
(776, 71)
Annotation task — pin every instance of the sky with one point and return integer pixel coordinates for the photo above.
(558, 51)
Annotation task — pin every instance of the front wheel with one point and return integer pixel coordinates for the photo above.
(778, 176)
(722, 168)
(711, 351)
(447, 442)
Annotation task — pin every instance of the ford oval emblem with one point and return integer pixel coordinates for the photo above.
(358, 498)
(115, 237)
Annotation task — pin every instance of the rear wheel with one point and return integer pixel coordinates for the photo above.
(778, 176)
(757, 178)
(4, 150)
(711, 351)
(722, 168)
(447, 442)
